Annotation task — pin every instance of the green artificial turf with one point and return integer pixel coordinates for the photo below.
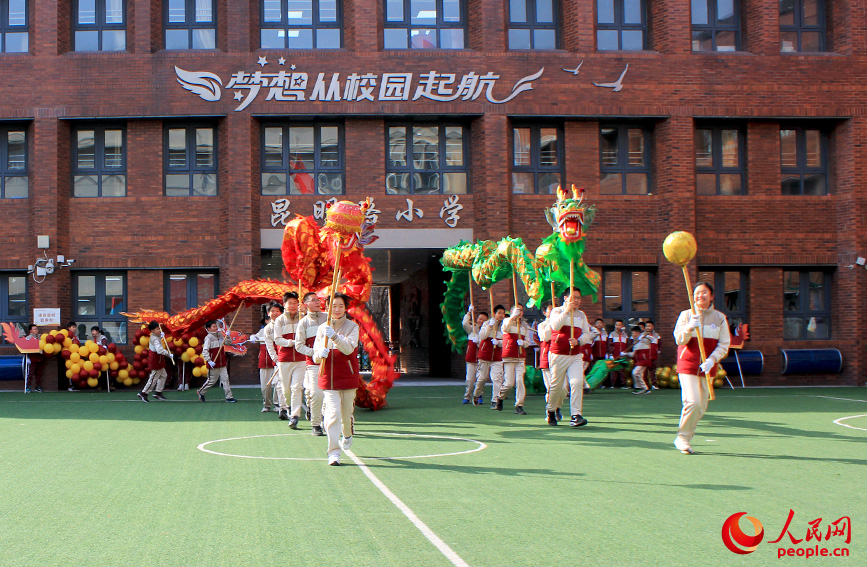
(92, 479)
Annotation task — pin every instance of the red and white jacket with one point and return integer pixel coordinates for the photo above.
(340, 371)
(515, 330)
(306, 335)
(472, 353)
(561, 322)
(265, 360)
(641, 350)
(714, 331)
(618, 343)
(211, 349)
(600, 343)
(157, 353)
(654, 346)
(544, 343)
(285, 327)
(490, 331)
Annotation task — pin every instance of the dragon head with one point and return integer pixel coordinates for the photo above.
(345, 220)
(570, 217)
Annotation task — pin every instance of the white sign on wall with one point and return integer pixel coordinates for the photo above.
(46, 317)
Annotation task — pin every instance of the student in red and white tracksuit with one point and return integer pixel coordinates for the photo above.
(544, 332)
(98, 337)
(653, 336)
(471, 356)
(599, 346)
(569, 332)
(278, 399)
(214, 353)
(157, 353)
(618, 343)
(490, 365)
(516, 337)
(268, 374)
(304, 340)
(640, 353)
(694, 387)
(337, 346)
(291, 363)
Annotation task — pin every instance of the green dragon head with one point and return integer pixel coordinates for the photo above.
(570, 217)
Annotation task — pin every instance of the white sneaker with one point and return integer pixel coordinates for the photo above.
(334, 460)
(265, 410)
(346, 443)
(683, 446)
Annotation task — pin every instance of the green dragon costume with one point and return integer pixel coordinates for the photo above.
(488, 262)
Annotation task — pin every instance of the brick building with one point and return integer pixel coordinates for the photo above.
(160, 143)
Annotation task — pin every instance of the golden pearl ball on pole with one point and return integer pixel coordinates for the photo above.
(679, 247)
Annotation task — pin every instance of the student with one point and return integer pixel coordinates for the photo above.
(214, 353)
(471, 357)
(569, 332)
(516, 336)
(490, 357)
(654, 353)
(279, 401)
(640, 353)
(72, 329)
(35, 364)
(694, 388)
(336, 351)
(98, 337)
(157, 354)
(618, 343)
(599, 346)
(267, 365)
(544, 332)
(304, 340)
(291, 363)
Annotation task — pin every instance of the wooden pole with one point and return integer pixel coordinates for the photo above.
(228, 332)
(553, 295)
(514, 287)
(698, 332)
(334, 283)
(571, 285)
(473, 316)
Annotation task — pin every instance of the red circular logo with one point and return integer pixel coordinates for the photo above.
(736, 540)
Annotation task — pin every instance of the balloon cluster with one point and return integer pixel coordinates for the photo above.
(84, 363)
(666, 377)
(185, 347)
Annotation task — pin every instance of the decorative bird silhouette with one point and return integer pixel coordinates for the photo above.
(575, 70)
(206, 85)
(25, 345)
(616, 85)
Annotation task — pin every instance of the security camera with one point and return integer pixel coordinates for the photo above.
(30, 269)
(70, 262)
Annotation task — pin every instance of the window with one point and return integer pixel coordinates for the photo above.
(190, 161)
(426, 159)
(537, 159)
(99, 162)
(628, 295)
(190, 24)
(302, 159)
(621, 24)
(424, 24)
(730, 293)
(301, 24)
(715, 25)
(99, 25)
(13, 300)
(533, 24)
(13, 26)
(188, 290)
(98, 299)
(803, 161)
(719, 161)
(806, 305)
(13, 163)
(802, 25)
(624, 160)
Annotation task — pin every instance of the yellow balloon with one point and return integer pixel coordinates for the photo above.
(138, 349)
(74, 357)
(53, 333)
(76, 368)
(43, 336)
(123, 374)
(191, 352)
(88, 365)
(64, 332)
(93, 347)
(144, 327)
(679, 247)
(92, 382)
(88, 343)
(111, 357)
(197, 372)
(42, 344)
(73, 348)
(93, 357)
(178, 342)
(127, 381)
(103, 360)
(144, 341)
(185, 357)
(48, 349)
(67, 343)
(113, 365)
(194, 342)
(136, 380)
(69, 373)
(68, 364)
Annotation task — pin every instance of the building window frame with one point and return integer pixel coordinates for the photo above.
(100, 170)
(623, 167)
(735, 315)
(523, 32)
(412, 173)
(713, 26)
(190, 25)
(20, 321)
(802, 316)
(321, 32)
(718, 169)
(8, 171)
(271, 173)
(100, 317)
(202, 175)
(99, 25)
(535, 167)
(400, 32)
(192, 287)
(626, 294)
(618, 25)
(801, 170)
(19, 31)
(798, 27)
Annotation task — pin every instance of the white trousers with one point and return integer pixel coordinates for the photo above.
(566, 368)
(156, 380)
(292, 380)
(513, 377)
(268, 386)
(215, 374)
(638, 377)
(694, 393)
(337, 416)
(472, 370)
(314, 394)
(492, 370)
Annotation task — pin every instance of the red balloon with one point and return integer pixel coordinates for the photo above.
(94, 373)
(112, 347)
(101, 351)
(82, 376)
(136, 365)
(199, 349)
(65, 354)
(97, 366)
(199, 361)
(185, 337)
(112, 373)
(49, 339)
